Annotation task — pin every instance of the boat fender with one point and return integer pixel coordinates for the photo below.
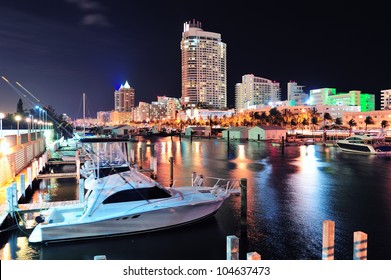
(39, 219)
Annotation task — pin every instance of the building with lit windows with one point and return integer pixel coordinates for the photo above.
(329, 96)
(124, 98)
(204, 67)
(296, 95)
(385, 99)
(377, 116)
(254, 91)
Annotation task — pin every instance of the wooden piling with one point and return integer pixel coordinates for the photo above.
(29, 176)
(171, 171)
(328, 240)
(253, 256)
(193, 177)
(360, 244)
(232, 247)
(141, 157)
(243, 202)
(81, 190)
(22, 185)
(132, 156)
(12, 198)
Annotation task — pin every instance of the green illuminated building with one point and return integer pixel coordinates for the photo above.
(328, 96)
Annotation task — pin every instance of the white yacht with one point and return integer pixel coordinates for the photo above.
(365, 144)
(122, 200)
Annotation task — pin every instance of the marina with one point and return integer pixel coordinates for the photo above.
(291, 192)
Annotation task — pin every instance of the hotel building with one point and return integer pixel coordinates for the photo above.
(204, 67)
(124, 98)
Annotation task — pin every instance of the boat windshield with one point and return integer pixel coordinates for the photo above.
(107, 154)
(137, 194)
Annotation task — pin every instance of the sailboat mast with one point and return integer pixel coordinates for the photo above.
(84, 115)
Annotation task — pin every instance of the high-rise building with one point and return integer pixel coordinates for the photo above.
(296, 95)
(124, 98)
(254, 91)
(385, 99)
(204, 71)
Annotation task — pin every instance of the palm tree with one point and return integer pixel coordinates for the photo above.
(368, 120)
(351, 123)
(384, 124)
(328, 117)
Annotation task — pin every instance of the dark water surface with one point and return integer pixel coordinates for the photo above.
(290, 194)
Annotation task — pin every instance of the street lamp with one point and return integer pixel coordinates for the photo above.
(28, 120)
(35, 125)
(1, 124)
(17, 119)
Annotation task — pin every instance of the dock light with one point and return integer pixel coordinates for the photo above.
(17, 119)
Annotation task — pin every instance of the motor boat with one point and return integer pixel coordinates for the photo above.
(365, 144)
(121, 200)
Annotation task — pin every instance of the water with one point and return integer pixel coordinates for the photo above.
(290, 194)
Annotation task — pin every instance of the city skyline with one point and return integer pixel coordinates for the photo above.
(74, 47)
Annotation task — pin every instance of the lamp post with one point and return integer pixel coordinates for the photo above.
(28, 120)
(17, 119)
(35, 125)
(1, 124)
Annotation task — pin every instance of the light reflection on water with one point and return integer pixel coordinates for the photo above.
(290, 194)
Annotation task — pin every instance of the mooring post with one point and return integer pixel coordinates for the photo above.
(253, 256)
(282, 144)
(29, 177)
(193, 177)
(12, 200)
(360, 245)
(328, 240)
(232, 247)
(243, 202)
(22, 185)
(141, 157)
(243, 217)
(171, 171)
(132, 156)
(81, 190)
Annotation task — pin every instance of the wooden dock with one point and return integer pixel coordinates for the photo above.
(38, 206)
(57, 175)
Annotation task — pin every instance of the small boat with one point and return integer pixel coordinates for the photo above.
(121, 200)
(368, 144)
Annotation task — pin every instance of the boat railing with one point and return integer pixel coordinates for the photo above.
(227, 185)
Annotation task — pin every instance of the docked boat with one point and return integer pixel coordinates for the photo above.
(365, 144)
(122, 200)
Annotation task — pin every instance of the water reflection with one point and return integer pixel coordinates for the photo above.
(290, 194)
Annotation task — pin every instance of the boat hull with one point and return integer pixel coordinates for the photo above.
(136, 222)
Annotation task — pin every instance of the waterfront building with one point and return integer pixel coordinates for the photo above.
(296, 95)
(124, 98)
(266, 132)
(117, 117)
(385, 99)
(158, 111)
(329, 96)
(204, 114)
(142, 112)
(173, 106)
(334, 110)
(204, 71)
(236, 133)
(378, 117)
(254, 91)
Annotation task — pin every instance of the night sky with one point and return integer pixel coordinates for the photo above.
(60, 49)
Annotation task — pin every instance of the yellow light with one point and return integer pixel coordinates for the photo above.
(18, 118)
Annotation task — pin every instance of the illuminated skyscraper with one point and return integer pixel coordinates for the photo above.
(254, 91)
(124, 98)
(204, 72)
